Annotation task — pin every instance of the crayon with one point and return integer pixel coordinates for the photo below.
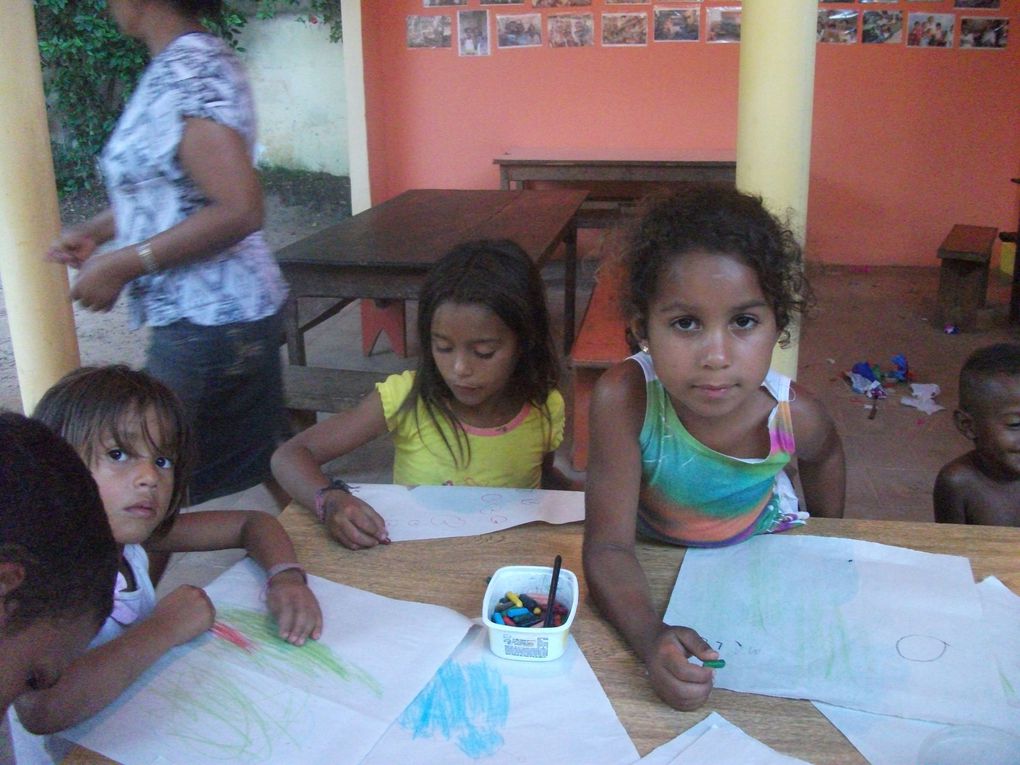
(714, 663)
(551, 601)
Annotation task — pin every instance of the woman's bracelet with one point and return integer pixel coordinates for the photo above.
(145, 255)
(335, 484)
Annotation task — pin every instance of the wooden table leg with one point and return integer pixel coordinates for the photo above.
(292, 331)
(569, 285)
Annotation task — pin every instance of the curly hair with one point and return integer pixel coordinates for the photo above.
(984, 363)
(92, 403)
(498, 274)
(713, 218)
(52, 524)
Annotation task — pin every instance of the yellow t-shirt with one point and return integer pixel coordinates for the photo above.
(509, 455)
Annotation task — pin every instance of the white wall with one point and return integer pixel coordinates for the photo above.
(297, 75)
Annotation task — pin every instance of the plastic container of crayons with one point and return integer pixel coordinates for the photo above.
(518, 631)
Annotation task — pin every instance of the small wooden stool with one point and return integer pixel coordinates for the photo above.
(963, 276)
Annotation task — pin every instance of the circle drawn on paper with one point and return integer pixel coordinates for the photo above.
(922, 648)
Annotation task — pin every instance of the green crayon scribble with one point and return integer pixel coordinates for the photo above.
(280, 657)
(1007, 686)
(241, 731)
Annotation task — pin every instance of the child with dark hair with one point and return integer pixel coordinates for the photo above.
(132, 432)
(983, 485)
(482, 408)
(57, 557)
(690, 437)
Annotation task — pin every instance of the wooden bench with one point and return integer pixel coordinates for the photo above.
(601, 343)
(307, 390)
(963, 275)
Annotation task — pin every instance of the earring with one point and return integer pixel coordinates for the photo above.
(643, 346)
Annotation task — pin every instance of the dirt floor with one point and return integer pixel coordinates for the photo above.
(297, 203)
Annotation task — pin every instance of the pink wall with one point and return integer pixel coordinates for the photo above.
(906, 141)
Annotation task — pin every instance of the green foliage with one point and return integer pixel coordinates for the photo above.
(311, 11)
(90, 69)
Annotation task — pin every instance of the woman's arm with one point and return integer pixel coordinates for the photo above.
(291, 603)
(99, 676)
(615, 578)
(297, 466)
(216, 159)
(820, 459)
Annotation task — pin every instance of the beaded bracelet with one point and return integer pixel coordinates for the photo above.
(335, 484)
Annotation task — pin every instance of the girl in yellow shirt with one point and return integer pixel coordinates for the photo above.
(482, 408)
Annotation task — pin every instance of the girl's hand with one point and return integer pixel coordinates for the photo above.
(294, 607)
(72, 248)
(679, 683)
(185, 613)
(352, 522)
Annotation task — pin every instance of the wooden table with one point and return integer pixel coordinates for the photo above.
(520, 165)
(385, 251)
(615, 178)
(453, 572)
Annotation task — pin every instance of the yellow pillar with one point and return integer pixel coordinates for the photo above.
(35, 293)
(775, 98)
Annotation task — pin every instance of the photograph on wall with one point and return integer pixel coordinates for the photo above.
(571, 30)
(502, 2)
(930, 30)
(473, 33)
(437, 3)
(983, 32)
(837, 27)
(723, 25)
(991, 5)
(624, 29)
(429, 31)
(523, 30)
(676, 24)
(558, 3)
(882, 27)
(626, 2)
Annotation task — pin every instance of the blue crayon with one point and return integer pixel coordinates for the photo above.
(513, 613)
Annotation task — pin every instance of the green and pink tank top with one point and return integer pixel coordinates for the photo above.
(695, 496)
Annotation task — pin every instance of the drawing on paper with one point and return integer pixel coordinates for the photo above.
(464, 703)
(921, 647)
(252, 719)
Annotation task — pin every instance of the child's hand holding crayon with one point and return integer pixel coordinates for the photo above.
(352, 522)
(679, 682)
(182, 615)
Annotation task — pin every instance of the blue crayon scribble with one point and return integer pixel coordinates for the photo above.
(467, 703)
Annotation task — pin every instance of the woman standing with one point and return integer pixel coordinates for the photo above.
(186, 213)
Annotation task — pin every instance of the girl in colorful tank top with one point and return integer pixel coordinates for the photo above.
(690, 437)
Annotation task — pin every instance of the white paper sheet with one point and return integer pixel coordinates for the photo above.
(326, 702)
(857, 624)
(480, 707)
(436, 512)
(887, 740)
(716, 741)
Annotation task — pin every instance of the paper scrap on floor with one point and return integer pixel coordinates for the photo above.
(887, 740)
(436, 512)
(329, 701)
(482, 708)
(716, 741)
(857, 624)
